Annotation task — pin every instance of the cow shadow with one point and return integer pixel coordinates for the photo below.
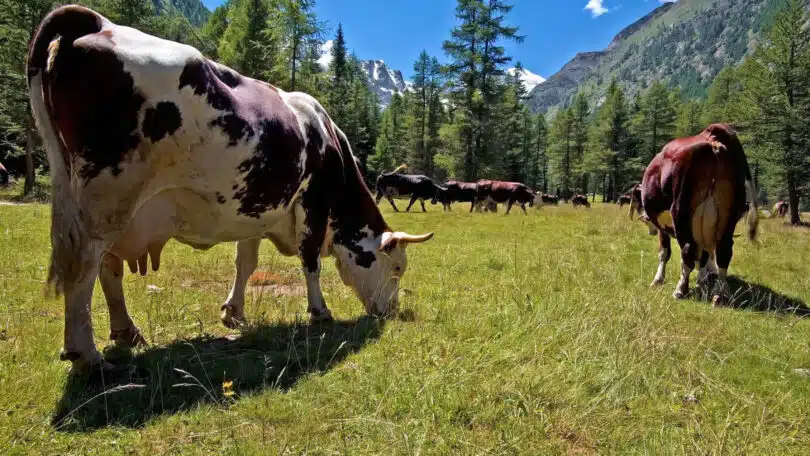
(177, 377)
(760, 298)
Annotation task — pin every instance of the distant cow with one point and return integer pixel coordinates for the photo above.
(624, 199)
(454, 191)
(148, 141)
(580, 200)
(780, 209)
(4, 177)
(416, 186)
(695, 190)
(489, 191)
(550, 199)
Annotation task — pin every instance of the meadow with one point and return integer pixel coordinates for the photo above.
(517, 334)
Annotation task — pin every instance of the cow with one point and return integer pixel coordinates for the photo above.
(455, 191)
(695, 190)
(416, 186)
(488, 192)
(148, 141)
(624, 199)
(4, 176)
(550, 199)
(780, 209)
(580, 200)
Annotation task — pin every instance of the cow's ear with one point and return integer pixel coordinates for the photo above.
(389, 242)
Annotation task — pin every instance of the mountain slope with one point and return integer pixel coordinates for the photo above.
(529, 79)
(381, 79)
(685, 43)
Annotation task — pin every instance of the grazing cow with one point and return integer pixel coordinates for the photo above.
(580, 200)
(624, 199)
(454, 191)
(4, 177)
(148, 141)
(488, 191)
(550, 199)
(695, 190)
(416, 186)
(780, 209)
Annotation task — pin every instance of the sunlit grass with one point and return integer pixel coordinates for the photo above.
(525, 335)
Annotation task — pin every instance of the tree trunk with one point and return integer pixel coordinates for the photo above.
(29, 154)
(793, 200)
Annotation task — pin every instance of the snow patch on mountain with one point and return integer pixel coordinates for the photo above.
(529, 79)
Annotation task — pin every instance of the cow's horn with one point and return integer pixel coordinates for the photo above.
(391, 238)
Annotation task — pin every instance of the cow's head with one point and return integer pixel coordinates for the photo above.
(373, 266)
(439, 195)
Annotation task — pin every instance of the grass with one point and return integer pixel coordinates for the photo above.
(521, 335)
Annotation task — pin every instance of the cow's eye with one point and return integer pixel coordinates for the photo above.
(397, 268)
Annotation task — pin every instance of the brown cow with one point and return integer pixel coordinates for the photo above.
(695, 190)
(635, 200)
(503, 192)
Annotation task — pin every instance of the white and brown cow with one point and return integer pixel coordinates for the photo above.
(695, 190)
(149, 141)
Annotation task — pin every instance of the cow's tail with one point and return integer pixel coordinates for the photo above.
(70, 255)
(753, 209)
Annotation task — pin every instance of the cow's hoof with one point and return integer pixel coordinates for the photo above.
(127, 338)
(680, 294)
(719, 300)
(320, 316)
(85, 362)
(230, 319)
(656, 283)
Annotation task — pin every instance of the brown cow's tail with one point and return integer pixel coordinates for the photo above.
(753, 209)
(71, 255)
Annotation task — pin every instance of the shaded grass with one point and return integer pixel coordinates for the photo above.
(523, 335)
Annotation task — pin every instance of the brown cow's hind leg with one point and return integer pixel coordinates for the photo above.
(725, 251)
(122, 330)
(688, 255)
(664, 254)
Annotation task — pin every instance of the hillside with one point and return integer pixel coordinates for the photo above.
(194, 10)
(685, 43)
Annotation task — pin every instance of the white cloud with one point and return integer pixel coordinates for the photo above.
(596, 8)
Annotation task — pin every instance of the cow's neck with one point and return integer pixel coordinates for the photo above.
(356, 216)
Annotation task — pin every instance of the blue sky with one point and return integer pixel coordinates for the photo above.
(397, 30)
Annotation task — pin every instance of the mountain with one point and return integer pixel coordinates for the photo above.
(685, 43)
(383, 81)
(529, 79)
(193, 10)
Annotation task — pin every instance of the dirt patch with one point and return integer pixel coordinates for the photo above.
(276, 285)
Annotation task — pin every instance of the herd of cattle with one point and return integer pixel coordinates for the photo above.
(483, 195)
(149, 141)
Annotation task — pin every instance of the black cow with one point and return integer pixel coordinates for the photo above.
(547, 198)
(454, 191)
(416, 186)
(580, 200)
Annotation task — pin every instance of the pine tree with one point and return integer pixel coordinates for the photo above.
(246, 45)
(722, 93)
(300, 30)
(580, 116)
(539, 162)
(655, 122)
(609, 158)
(561, 150)
(689, 121)
(425, 87)
(776, 101)
(18, 22)
(214, 29)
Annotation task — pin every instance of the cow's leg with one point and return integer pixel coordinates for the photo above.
(247, 258)
(725, 250)
(391, 200)
(311, 227)
(422, 202)
(413, 200)
(523, 206)
(509, 206)
(472, 206)
(707, 268)
(664, 254)
(688, 257)
(122, 330)
(79, 345)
